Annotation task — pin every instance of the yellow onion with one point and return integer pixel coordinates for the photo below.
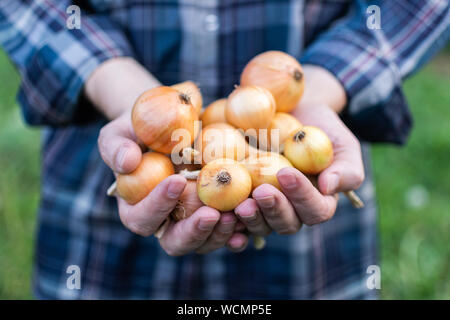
(159, 112)
(223, 184)
(263, 168)
(309, 150)
(279, 73)
(221, 140)
(282, 126)
(153, 169)
(188, 202)
(214, 113)
(250, 107)
(190, 89)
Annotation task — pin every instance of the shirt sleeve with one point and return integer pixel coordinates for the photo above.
(54, 60)
(371, 63)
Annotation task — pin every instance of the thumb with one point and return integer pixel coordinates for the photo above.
(345, 173)
(117, 147)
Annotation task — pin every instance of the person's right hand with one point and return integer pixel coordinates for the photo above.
(204, 231)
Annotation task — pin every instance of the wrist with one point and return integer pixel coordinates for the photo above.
(322, 87)
(116, 84)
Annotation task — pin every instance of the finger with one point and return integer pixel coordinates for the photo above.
(277, 210)
(222, 232)
(146, 216)
(310, 205)
(238, 242)
(345, 173)
(239, 227)
(189, 234)
(249, 214)
(117, 146)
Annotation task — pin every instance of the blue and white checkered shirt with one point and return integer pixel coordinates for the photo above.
(208, 41)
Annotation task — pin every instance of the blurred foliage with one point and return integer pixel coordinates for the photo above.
(413, 187)
(19, 190)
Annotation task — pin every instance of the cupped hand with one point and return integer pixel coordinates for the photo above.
(299, 201)
(204, 231)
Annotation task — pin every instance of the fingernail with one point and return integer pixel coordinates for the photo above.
(249, 217)
(121, 156)
(266, 202)
(174, 190)
(205, 225)
(333, 182)
(288, 181)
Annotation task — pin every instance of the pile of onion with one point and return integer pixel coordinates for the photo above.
(231, 163)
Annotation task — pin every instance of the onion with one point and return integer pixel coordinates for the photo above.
(285, 124)
(309, 150)
(223, 184)
(214, 113)
(153, 169)
(190, 89)
(263, 168)
(279, 73)
(250, 107)
(221, 140)
(158, 113)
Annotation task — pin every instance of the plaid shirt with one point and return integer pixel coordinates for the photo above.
(208, 41)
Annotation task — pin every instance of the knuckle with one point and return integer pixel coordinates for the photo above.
(172, 252)
(358, 178)
(288, 230)
(220, 237)
(252, 221)
(316, 219)
(139, 229)
(197, 237)
(264, 232)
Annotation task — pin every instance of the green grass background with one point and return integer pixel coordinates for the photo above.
(415, 244)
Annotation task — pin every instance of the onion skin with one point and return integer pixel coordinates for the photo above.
(250, 107)
(309, 150)
(279, 73)
(223, 184)
(263, 168)
(160, 111)
(286, 125)
(221, 140)
(214, 113)
(153, 169)
(191, 89)
(188, 202)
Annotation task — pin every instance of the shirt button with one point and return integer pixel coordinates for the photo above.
(211, 23)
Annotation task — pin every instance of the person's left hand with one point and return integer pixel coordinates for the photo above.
(299, 201)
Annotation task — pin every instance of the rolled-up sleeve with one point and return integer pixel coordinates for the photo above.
(371, 63)
(55, 61)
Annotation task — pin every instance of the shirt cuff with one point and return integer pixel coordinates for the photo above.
(377, 109)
